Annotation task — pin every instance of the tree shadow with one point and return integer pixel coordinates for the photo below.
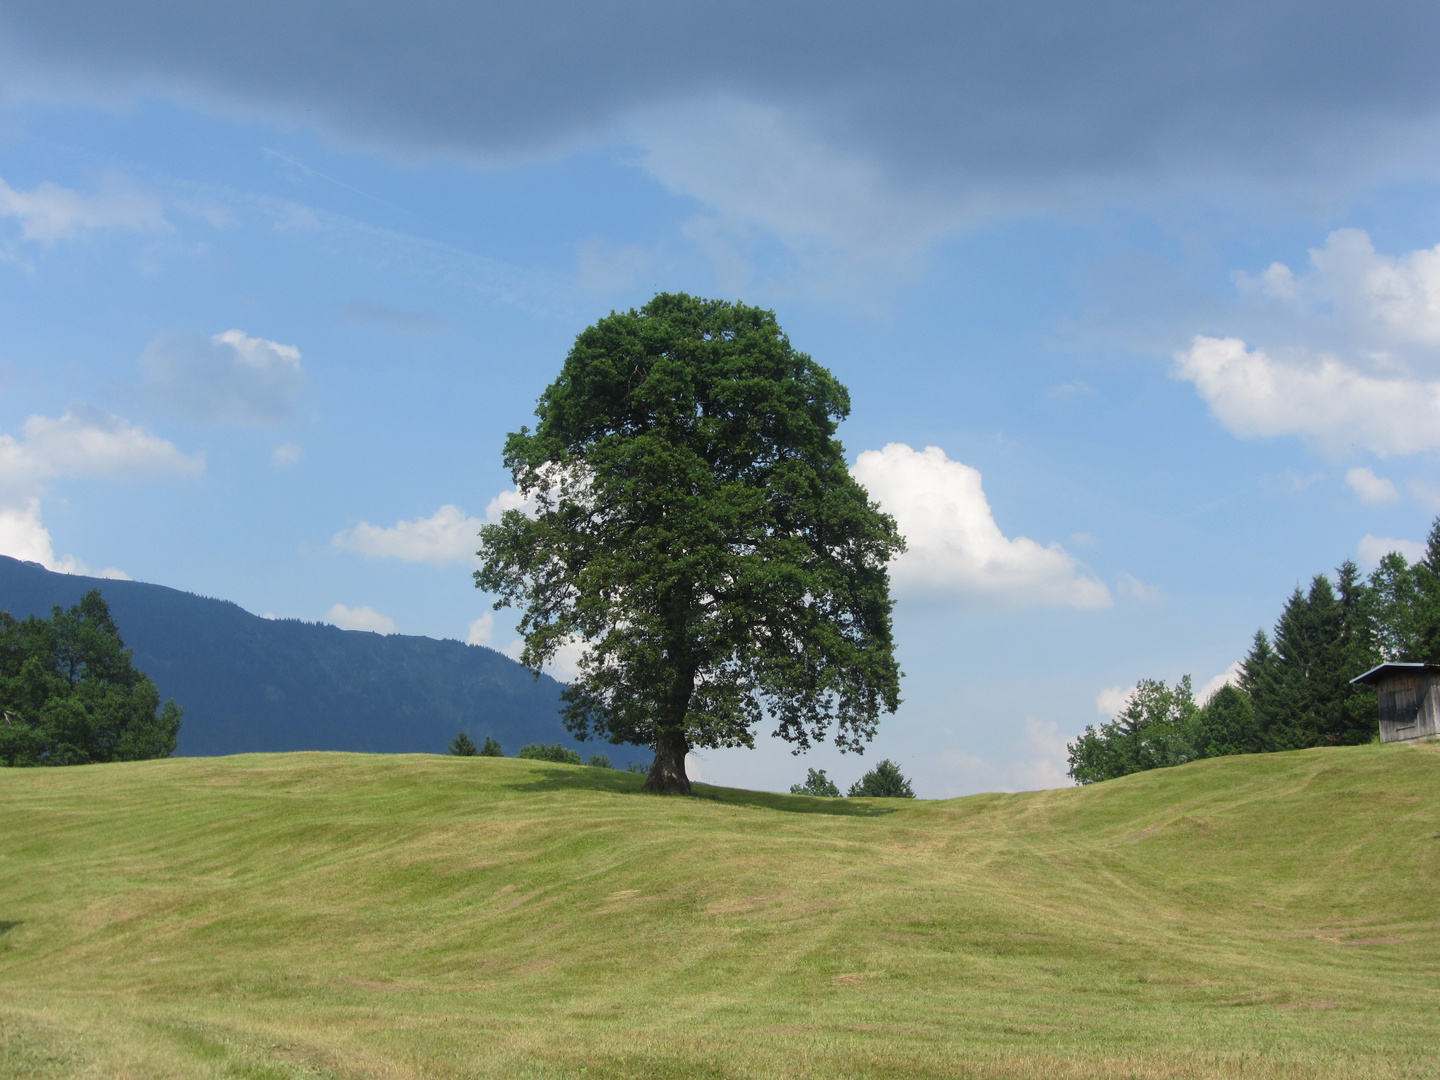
(588, 778)
(6, 927)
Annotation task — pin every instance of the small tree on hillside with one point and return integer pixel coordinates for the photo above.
(491, 747)
(463, 746)
(1151, 731)
(885, 781)
(816, 783)
(696, 527)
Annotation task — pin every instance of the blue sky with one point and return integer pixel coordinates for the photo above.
(1161, 291)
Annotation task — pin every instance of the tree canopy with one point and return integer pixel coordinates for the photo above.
(1294, 689)
(69, 694)
(695, 526)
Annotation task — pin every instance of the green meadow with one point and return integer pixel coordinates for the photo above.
(337, 915)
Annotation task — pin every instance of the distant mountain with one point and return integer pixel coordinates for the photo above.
(249, 684)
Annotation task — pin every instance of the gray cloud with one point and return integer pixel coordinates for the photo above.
(992, 96)
(230, 377)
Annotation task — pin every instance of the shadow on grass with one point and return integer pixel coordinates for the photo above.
(588, 778)
(6, 927)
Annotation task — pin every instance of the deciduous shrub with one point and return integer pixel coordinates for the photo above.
(540, 752)
(885, 781)
(816, 783)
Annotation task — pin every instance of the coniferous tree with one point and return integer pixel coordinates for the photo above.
(1260, 682)
(463, 746)
(1359, 651)
(491, 747)
(1426, 617)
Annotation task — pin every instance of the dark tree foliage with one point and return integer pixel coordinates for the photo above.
(816, 783)
(558, 753)
(69, 694)
(885, 781)
(1152, 731)
(491, 747)
(695, 525)
(1299, 686)
(1226, 725)
(463, 746)
(600, 761)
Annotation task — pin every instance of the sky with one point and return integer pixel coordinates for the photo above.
(1138, 306)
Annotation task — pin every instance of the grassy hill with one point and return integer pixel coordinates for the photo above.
(329, 915)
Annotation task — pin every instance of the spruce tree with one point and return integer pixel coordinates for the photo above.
(463, 746)
(491, 747)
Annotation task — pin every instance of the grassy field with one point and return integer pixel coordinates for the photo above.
(332, 915)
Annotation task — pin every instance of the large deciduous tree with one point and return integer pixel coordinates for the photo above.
(694, 525)
(69, 694)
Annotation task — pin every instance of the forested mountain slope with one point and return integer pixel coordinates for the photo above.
(251, 684)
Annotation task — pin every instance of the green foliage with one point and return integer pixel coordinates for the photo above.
(599, 761)
(816, 783)
(1227, 725)
(885, 781)
(491, 747)
(463, 746)
(695, 525)
(637, 767)
(1152, 731)
(69, 694)
(540, 752)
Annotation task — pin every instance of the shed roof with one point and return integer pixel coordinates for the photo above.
(1376, 673)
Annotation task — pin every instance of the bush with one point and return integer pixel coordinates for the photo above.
(600, 761)
(882, 782)
(491, 748)
(817, 783)
(641, 767)
(539, 752)
(463, 746)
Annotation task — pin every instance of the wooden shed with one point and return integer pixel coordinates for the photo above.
(1409, 700)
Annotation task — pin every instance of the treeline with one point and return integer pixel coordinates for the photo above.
(1294, 687)
(464, 746)
(69, 694)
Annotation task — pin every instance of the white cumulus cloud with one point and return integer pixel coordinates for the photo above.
(1323, 399)
(956, 551)
(87, 442)
(447, 536)
(50, 213)
(1372, 549)
(1109, 701)
(360, 618)
(1345, 356)
(482, 630)
(1371, 488)
(230, 377)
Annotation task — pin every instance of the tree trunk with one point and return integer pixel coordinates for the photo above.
(667, 773)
